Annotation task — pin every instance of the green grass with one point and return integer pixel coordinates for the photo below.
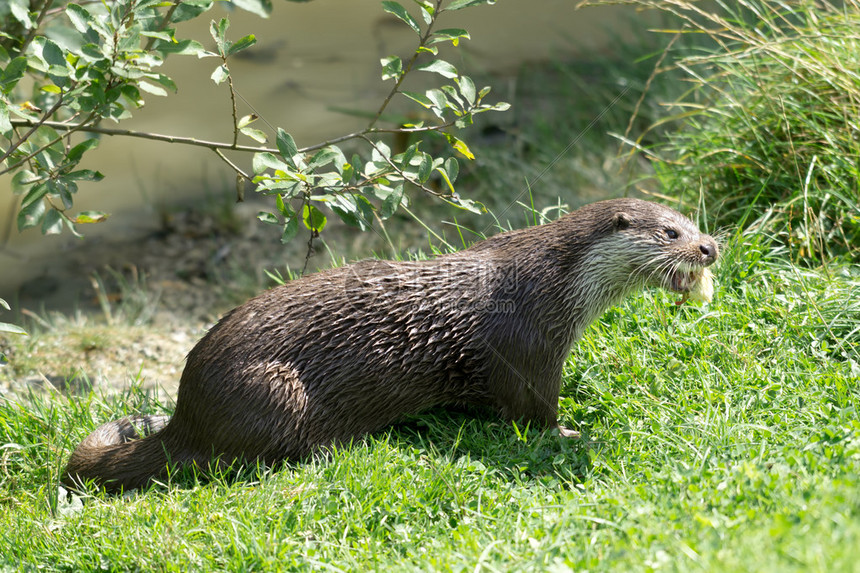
(767, 128)
(723, 437)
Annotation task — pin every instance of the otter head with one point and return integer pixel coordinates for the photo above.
(661, 247)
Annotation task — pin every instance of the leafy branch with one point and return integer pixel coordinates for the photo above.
(121, 45)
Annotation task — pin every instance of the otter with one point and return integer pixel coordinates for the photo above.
(343, 352)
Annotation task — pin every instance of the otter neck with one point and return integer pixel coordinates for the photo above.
(579, 286)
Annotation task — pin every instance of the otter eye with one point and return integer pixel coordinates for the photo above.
(672, 233)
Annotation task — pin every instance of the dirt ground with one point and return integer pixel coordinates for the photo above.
(109, 314)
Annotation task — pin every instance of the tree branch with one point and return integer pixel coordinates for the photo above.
(84, 127)
(33, 125)
(164, 23)
(46, 5)
(405, 72)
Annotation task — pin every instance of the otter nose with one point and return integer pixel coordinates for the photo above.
(709, 250)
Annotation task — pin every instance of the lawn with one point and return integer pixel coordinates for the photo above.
(718, 437)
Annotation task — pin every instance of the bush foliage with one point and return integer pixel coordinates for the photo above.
(66, 68)
(767, 132)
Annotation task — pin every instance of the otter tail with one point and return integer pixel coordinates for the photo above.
(121, 455)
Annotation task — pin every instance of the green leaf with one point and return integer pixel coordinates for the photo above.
(287, 146)
(164, 36)
(247, 120)
(242, 44)
(255, 134)
(84, 175)
(425, 168)
(5, 304)
(166, 82)
(90, 217)
(467, 89)
(392, 67)
(261, 8)
(460, 4)
(285, 209)
(52, 224)
(80, 17)
(452, 35)
(12, 74)
(427, 11)
(152, 89)
(34, 195)
(62, 188)
(438, 98)
(19, 10)
(452, 168)
(74, 155)
(23, 180)
(291, 229)
(220, 74)
(5, 122)
(53, 55)
(419, 98)
(447, 179)
(452, 93)
(391, 203)
(218, 31)
(182, 47)
(464, 121)
(313, 218)
(347, 173)
(460, 146)
(339, 161)
(400, 12)
(323, 157)
(266, 160)
(467, 204)
(440, 67)
(354, 210)
(190, 9)
(11, 328)
(267, 217)
(32, 213)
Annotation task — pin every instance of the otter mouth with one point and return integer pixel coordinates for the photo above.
(694, 284)
(683, 281)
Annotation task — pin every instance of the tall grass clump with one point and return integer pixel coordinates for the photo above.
(768, 133)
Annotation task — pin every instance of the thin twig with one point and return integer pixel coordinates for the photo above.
(361, 134)
(235, 167)
(83, 127)
(34, 125)
(32, 33)
(408, 68)
(164, 23)
(72, 127)
(233, 102)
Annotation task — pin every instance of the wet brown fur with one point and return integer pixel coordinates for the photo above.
(350, 350)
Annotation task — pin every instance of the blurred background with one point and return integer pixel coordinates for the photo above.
(315, 71)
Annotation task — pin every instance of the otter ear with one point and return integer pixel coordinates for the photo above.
(621, 220)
